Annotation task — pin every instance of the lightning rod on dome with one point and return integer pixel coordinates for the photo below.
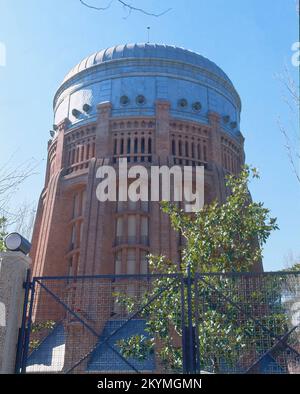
(148, 30)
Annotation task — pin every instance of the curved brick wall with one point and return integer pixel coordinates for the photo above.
(152, 104)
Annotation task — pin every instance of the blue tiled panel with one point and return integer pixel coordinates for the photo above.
(105, 359)
(43, 355)
(157, 72)
(44, 359)
(269, 366)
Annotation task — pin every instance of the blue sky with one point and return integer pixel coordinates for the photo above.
(250, 39)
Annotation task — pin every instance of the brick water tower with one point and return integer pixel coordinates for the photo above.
(154, 105)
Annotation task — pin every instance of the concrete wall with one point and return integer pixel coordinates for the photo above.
(13, 269)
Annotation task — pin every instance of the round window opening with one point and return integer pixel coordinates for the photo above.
(86, 107)
(182, 103)
(197, 106)
(140, 99)
(75, 113)
(124, 100)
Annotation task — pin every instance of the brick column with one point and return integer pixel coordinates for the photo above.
(159, 222)
(162, 131)
(60, 154)
(215, 138)
(102, 130)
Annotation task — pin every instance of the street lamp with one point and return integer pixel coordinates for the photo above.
(16, 243)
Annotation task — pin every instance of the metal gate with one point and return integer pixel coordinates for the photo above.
(248, 322)
(201, 323)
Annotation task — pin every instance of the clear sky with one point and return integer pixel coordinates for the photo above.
(249, 39)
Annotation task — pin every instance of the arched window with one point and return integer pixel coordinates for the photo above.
(143, 148)
(186, 149)
(119, 231)
(76, 230)
(131, 261)
(135, 145)
(149, 145)
(144, 263)
(128, 145)
(73, 156)
(143, 145)
(131, 230)
(173, 148)
(118, 263)
(122, 147)
(204, 153)
(87, 156)
(199, 151)
(144, 230)
(180, 148)
(135, 148)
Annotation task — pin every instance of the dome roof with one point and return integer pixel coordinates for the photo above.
(147, 51)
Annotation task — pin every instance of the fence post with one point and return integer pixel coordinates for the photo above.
(28, 328)
(190, 333)
(23, 331)
(13, 270)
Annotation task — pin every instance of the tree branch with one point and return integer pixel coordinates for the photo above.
(96, 8)
(290, 151)
(292, 136)
(127, 6)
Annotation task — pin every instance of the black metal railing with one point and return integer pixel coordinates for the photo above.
(214, 323)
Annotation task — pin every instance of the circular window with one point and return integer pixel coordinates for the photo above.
(86, 107)
(197, 106)
(226, 119)
(124, 100)
(182, 103)
(140, 99)
(75, 113)
(233, 125)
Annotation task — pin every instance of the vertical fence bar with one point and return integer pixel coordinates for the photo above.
(197, 318)
(22, 331)
(183, 328)
(191, 341)
(28, 329)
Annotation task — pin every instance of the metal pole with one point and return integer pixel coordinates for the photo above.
(20, 346)
(183, 327)
(197, 318)
(190, 321)
(28, 329)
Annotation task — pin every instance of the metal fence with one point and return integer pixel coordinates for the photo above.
(201, 323)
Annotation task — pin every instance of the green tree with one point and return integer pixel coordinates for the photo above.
(222, 237)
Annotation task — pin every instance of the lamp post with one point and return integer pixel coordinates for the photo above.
(16, 243)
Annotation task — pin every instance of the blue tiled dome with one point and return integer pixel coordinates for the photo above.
(146, 51)
(154, 72)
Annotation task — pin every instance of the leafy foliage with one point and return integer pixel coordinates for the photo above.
(220, 238)
(225, 237)
(40, 330)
